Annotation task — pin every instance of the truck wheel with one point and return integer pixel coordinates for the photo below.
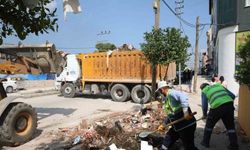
(68, 90)
(140, 93)
(94, 89)
(19, 125)
(9, 89)
(120, 93)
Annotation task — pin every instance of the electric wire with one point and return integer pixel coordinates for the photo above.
(181, 19)
(201, 31)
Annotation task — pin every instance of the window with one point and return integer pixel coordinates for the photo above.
(247, 3)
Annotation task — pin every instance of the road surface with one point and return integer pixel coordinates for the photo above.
(56, 112)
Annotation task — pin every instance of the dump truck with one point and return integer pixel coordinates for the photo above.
(18, 120)
(123, 74)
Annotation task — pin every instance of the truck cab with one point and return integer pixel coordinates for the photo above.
(67, 80)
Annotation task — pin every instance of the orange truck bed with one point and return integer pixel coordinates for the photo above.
(121, 67)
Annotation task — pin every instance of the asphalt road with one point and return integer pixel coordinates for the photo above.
(56, 112)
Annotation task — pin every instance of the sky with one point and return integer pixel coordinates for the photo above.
(126, 21)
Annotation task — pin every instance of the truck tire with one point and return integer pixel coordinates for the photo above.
(94, 89)
(19, 125)
(140, 93)
(68, 90)
(9, 89)
(120, 93)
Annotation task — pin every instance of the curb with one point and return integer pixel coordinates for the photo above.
(35, 92)
(39, 93)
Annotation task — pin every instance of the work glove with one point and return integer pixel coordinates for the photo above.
(161, 128)
(187, 116)
(166, 121)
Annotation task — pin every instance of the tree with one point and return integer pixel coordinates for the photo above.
(103, 47)
(164, 46)
(19, 19)
(243, 72)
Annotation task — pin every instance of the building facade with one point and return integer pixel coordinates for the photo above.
(230, 24)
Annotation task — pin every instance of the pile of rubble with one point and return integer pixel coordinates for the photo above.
(117, 131)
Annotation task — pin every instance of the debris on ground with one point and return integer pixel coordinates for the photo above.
(117, 131)
(146, 146)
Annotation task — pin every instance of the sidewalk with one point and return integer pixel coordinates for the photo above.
(219, 139)
(35, 92)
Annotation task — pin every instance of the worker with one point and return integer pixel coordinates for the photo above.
(176, 106)
(222, 81)
(204, 103)
(221, 107)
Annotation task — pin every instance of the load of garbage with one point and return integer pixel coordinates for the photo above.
(117, 131)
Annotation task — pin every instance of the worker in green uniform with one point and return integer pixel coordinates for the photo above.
(176, 106)
(221, 107)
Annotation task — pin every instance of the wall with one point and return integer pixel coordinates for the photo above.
(35, 84)
(226, 13)
(226, 56)
(244, 111)
(243, 16)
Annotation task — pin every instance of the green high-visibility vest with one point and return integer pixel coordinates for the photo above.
(216, 95)
(171, 105)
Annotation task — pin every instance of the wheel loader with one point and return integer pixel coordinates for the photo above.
(18, 120)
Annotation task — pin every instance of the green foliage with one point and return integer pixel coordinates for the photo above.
(19, 20)
(103, 47)
(164, 46)
(243, 74)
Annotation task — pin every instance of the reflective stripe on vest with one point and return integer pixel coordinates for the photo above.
(216, 95)
(171, 105)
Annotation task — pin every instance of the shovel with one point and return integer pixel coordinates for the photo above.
(146, 133)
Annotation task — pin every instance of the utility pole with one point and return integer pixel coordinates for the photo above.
(196, 58)
(156, 6)
(179, 5)
(157, 13)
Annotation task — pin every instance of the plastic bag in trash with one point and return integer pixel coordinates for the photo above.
(77, 140)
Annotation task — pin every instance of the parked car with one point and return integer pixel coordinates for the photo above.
(9, 85)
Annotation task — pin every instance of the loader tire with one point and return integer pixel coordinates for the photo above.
(19, 125)
(68, 90)
(120, 93)
(140, 94)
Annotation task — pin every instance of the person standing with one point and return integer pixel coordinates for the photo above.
(215, 79)
(176, 106)
(223, 82)
(204, 106)
(221, 107)
(204, 63)
(204, 103)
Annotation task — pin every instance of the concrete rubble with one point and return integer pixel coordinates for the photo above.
(118, 131)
